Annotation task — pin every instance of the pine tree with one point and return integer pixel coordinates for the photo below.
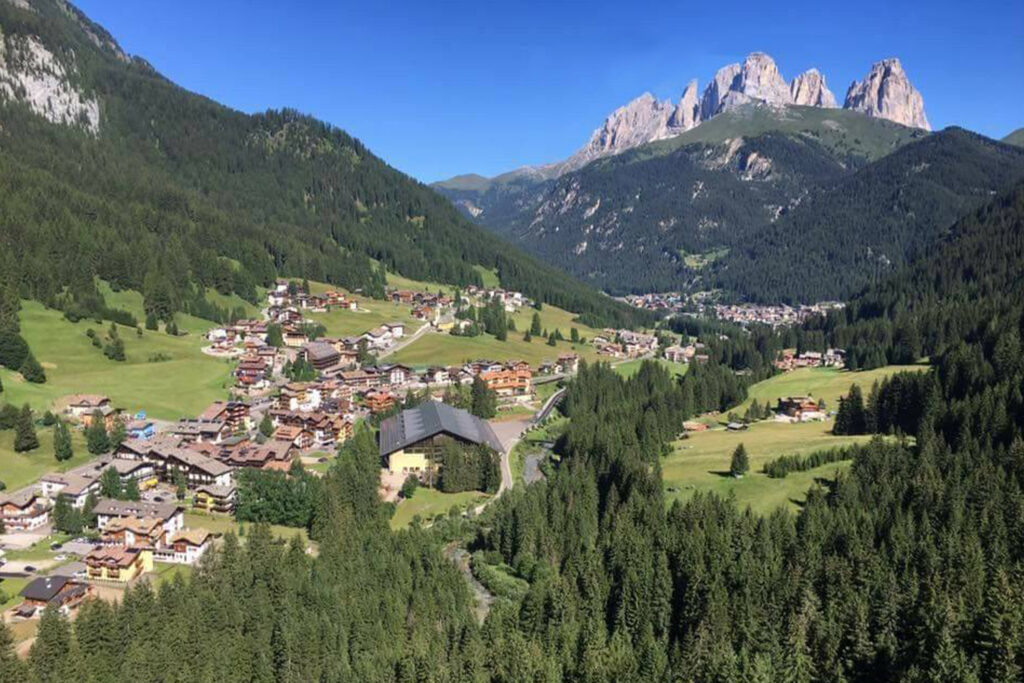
(62, 447)
(266, 425)
(51, 658)
(535, 328)
(110, 483)
(11, 668)
(118, 434)
(740, 463)
(483, 402)
(32, 371)
(96, 437)
(25, 438)
(131, 490)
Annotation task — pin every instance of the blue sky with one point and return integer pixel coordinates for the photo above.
(438, 88)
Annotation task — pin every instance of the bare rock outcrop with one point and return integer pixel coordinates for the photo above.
(809, 90)
(886, 93)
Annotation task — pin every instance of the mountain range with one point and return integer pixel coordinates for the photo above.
(745, 188)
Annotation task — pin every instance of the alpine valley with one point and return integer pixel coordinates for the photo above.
(759, 189)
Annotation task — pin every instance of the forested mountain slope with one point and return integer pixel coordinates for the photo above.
(688, 195)
(862, 227)
(111, 170)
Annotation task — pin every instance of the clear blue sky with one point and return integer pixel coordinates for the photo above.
(438, 88)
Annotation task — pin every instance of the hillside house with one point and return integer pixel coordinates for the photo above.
(214, 499)
(118, 564)
(185, 547)
(57, 592)
(23, 511)
(170, 515)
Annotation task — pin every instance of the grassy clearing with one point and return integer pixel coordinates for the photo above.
(11, 588)
(372, 313)
(21, 469)
(446, 349)
(222, 524)
(131, 301)
(701, 462)
(430, 502)
(489, 276)
(551, 318)
(168, 389)
(826, 383)
(164, 572)
(630, 368)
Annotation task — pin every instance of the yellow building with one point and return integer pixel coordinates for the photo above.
(411, 441)
(118, 563)
(407, 463)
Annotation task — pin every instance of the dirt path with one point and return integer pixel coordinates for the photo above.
(484, 598)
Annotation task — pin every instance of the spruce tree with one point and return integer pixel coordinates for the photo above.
(62, 447)
(96, 437)
(25, 438)
(483, 402)
(740, 463)
(32, 371)
(51, 658)
(266, 425)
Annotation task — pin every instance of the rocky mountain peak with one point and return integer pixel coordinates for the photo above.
(717, 89)
(886, 92)
(809, 90)
(687, 113)
(644, 119)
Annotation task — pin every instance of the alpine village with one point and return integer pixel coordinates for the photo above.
(733, 393)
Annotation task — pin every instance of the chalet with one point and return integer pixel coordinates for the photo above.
(510, 381)
(410, 440)
(296, 436)
(251, 372)
(294, 338)
(676, 354)
(82, 407)
(435, 375)
(260, 456)
(134, 532)
(379, 401)
(23, 511)
(303, 396)
(214, 499)
(394, 375)
(197, 469)
(212, 431)
(360, 379)
(397, 330)
(58, 592)
(568, 363)
(171, 516)
(186, 546)
(234, 415)
(117, 563)
(801, 408)
(321, 355)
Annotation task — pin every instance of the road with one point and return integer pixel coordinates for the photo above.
(406, 341)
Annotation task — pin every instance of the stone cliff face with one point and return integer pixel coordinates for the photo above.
(886, 92)
(31, 74)
(809, 90)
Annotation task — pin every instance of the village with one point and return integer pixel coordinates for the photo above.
(164, 492)
(167, 490)
(702, 303)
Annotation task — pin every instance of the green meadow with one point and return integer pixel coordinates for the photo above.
(21, 469)
(427, 503)
(701, 461)
(168, 377)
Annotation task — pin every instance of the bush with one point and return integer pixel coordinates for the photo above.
(409, 486)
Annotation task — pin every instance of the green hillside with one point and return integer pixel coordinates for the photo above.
(1015, 138)
(174, 195)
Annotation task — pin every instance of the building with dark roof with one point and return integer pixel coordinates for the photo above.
(411, 439)
(60, 592)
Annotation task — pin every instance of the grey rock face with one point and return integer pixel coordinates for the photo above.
(687, 113)
(717, 89)
(886, 93)
(809, 90)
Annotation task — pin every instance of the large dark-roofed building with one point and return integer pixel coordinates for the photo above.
(410, 439)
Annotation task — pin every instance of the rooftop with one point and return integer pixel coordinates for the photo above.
(429, 419)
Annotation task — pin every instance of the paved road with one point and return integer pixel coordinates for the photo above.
(509, 433)
(548, 406)
(406, 341)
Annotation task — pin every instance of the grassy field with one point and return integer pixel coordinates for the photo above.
(222, 524)
(701, 462)
(630, 368)
(164, 572)
(826, 383)
(131, 301)
(372, 313)
(446, 349)
(169, 389)
(430, 502)
(21, 469)
(10, 588)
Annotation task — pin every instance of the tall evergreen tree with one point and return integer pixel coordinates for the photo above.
(25, 438)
